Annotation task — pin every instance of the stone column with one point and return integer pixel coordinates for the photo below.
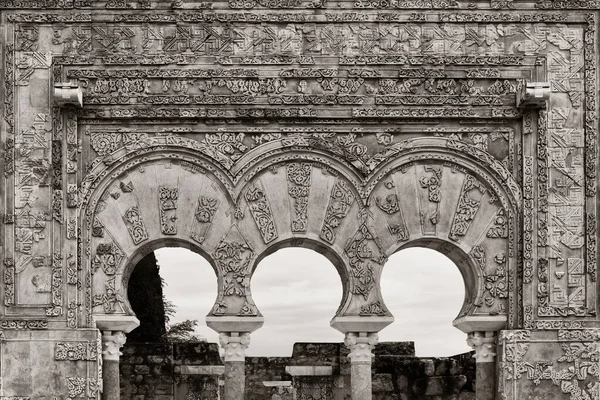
(484, 344)
(111, 350)
(360, 345)
(234, 345)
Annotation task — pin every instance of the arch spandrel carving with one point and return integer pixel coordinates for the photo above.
(446, 206)
(427, 199)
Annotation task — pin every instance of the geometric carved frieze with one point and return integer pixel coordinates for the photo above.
(566, 365)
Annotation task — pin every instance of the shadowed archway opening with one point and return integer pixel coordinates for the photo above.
(425, 291)
(168, 287)
(297, 291)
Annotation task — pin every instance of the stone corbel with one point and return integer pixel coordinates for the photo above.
(230, 323)
(533, 94)
(68, 94)
(116, 322)
(373, 324)
(480, 323)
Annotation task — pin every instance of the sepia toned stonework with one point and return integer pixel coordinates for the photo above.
(354, 128)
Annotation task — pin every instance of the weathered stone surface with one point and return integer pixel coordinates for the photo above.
(439, 385)
(395, 349)
(354, 128)
(382, 383)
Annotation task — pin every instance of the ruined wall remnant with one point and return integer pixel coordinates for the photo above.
(184, 371)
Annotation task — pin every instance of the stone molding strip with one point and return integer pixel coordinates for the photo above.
(309, 370)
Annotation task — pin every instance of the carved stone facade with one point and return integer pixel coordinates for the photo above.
(356, 128)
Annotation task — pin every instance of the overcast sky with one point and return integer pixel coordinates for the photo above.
(298, 291)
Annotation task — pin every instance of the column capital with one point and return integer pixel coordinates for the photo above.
(111, 344)
(234, 345)
(484, 344)
(360, 345)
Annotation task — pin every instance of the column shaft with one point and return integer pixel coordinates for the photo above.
(485, 386)
(484, 344)
(235, 380)
(361, 381)
(360, 345)
(111, 345)
(110, 378)
(234, 356)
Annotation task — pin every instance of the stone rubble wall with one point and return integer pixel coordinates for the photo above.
(151, 371)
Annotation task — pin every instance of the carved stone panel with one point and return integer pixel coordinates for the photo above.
(357, 128)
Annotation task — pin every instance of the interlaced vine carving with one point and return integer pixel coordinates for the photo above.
(168, 209)
(466, 209)
(261, 212)
(298, 175)
(340, 201)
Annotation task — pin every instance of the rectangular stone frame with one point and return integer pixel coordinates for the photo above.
(70, 284)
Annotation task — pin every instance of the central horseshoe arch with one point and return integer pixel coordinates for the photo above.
(433, 193)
